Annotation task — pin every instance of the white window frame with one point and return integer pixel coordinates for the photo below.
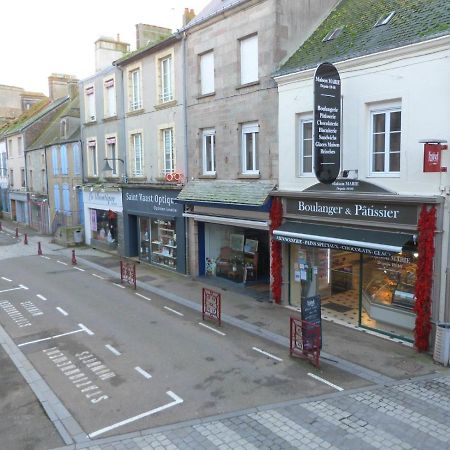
(209, 134)
(250, 128)
(111, 152)
(134, 88)
(137, 158)
(92, 152)
(89, 96)
(302, 122)
(166, 74)
(109, 96)
(168, 153)
(387, 111)
(207, 85)
(249, 69)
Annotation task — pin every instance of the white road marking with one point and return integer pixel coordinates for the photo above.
(23, 287)
(49, 338)
(6, 279)
(64, 313)
(267, 354)
(326, 382)
(14, 289)
(143, 296)
(41, 297)
(113, 350)
(142, 372)
(174, 311)
(212, 329)
(84, 328)
(119, 285)
(61, 262)
(46, 257)
(97, 276)
(176, 401)
(80, 269)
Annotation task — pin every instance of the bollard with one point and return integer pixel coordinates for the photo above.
(39, 249)
(25, 239)
(74, 259)
(17, 232)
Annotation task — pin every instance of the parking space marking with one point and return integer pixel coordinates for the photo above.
(61, 262)
(119, 285)
(143, 296)
(173, 311)
(41, 297)
(176, 401)
(14, 289)
(50, 337)
(64, 313)
(113, 350)
(6, 279)
(144, 373)
(212, 329)
(32, 308)
(267, 354)
(80, 269)
(97, 276)
(338, 388)
(86, 329)
(14, 314)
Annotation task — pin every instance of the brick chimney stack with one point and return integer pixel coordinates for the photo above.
(188, 15)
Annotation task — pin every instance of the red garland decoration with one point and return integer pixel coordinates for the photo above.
(422, 307)
(276, 217)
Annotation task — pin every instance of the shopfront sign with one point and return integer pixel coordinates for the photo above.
(348, 185)
(327, 123)
(156, 202)
(103, 200)
(362, 211)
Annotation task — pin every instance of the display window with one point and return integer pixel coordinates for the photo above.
(104, 226)
(158, 242)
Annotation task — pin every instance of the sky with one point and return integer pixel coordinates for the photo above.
(38, 38)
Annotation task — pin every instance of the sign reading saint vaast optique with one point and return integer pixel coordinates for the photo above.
(327, 123)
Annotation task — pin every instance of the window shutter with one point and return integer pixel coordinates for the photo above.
(64, 169)
(55, 161)
(76, 159)
(66, 198)
(57, 199)
(207, 73)
(249, 60)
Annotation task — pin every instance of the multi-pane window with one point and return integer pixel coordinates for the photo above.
(166, 79)
(168, 151)
(90, 104)
(207, 73)
(110, 98)
(249, 59)
(135, 99)
(386, 141)
(305, 144)
(249, 141)
(3, 172)
(209, 152)
(111, 153)
(92, 158)
(137, 155)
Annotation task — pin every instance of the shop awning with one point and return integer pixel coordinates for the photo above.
(361, 240)
(227, 193)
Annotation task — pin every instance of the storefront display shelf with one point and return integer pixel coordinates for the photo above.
(162, 255)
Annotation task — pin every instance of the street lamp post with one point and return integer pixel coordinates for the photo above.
(107, 167)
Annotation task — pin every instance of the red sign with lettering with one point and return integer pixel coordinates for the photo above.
(432, 158)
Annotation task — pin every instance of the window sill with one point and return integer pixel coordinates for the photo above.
(90, 122)
(112, 179)
(246, 85)
(135, 112)
(209, 94)
(110, 118)
(136, 180)
(249, 176)
(92, 179)
(208, 176)
(166, 105)
(384, 175)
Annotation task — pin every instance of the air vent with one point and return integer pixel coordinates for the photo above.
(383, 20)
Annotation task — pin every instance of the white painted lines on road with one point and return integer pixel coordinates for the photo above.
(97, 276)
(142, 372)
(23, 287)
(6, 279)
(45, 257)
(41, 297)
(14, 289)
(212, 329)
(267, 354)
(49, 338)
(143, 296)
(61, 262)
(113, 350)
(119, 285)
(64, 313)
(338, 388)
(173, 311)
(84, 328)
(176, 401)
(79, 268)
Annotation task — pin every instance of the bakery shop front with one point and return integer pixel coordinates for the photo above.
(360, 253)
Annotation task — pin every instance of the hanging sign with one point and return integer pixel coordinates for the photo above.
(327, 123)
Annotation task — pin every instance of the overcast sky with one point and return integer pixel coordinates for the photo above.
(40, 37)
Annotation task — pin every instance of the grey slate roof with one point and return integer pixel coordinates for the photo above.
(248, 193)
(414, 21)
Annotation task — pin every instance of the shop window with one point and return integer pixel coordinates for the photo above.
(104, 226)
(158, 242)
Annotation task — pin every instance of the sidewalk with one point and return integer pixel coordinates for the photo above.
(363, 353)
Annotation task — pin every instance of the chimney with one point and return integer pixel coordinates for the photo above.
(188, 15)
(61, 85)
(107, 50)
(150, 34)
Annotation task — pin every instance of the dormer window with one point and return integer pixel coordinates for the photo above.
(383, 20)
(332, 34)
(63, 129)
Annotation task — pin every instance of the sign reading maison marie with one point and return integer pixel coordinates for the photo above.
(327, 123)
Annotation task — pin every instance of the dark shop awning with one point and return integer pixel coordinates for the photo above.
(360, 240)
